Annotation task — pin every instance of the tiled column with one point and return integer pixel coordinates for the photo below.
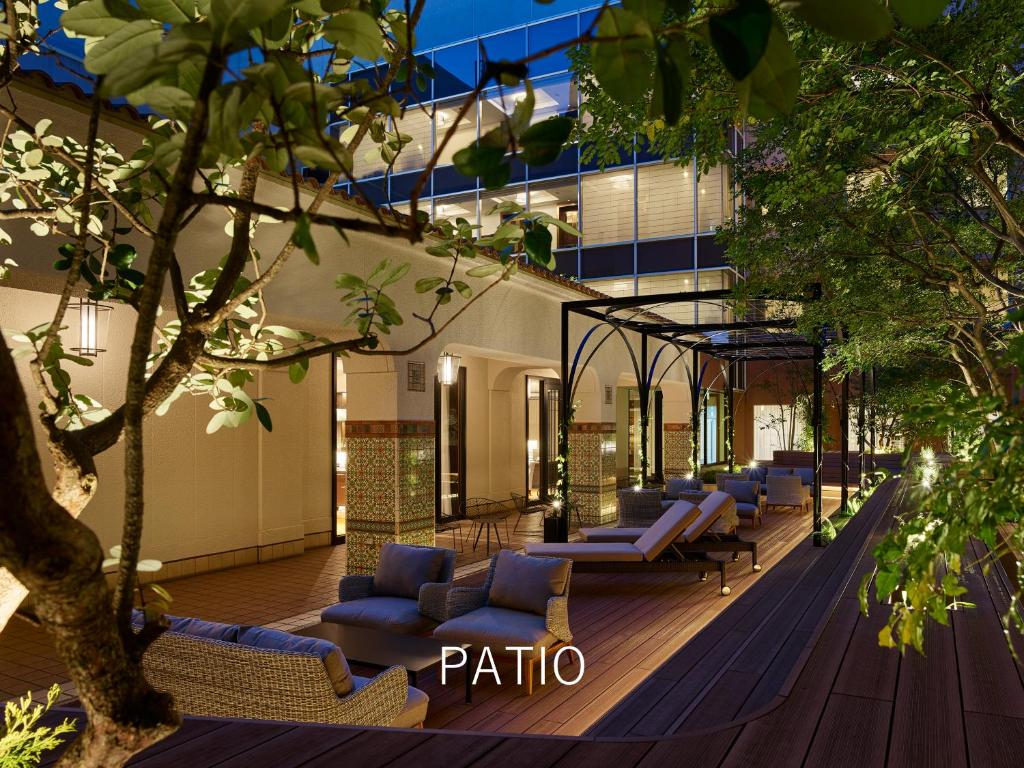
(592, 471)
(390, 493)
(678, 450)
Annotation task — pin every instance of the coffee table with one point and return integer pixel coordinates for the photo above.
(380, 649)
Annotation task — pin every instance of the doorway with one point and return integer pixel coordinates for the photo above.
(339, 449)
(450, 448)
(629, 434)
(542, 398)
(710, 430)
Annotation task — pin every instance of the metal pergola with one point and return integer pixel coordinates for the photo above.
(767, 332)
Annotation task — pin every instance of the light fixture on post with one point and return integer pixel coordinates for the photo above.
(93, 323)
(448, 368)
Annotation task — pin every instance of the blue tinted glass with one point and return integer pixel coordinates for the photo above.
(402, 185)
(586, 19)
(566, 163)
(508, 45)
(447, 179)
(546, 35)
(418, 90)
(455, 70)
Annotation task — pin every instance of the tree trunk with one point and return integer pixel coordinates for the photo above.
(60, 560)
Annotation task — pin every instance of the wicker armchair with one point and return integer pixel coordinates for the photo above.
(786, 491)
(359, 605)
(474, 618)
(721, 478)
(219, 679)
(639, 508)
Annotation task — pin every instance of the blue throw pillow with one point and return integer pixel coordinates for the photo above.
(777, 471)
(744, 491)
(677, 485)
(756, 473)
(806, 475)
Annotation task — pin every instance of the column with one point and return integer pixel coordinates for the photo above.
(390, 488)
(592, 469)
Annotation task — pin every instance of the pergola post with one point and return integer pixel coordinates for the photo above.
(730, 434)
(844, 445)
(871, 416)
(564, 400)
(644, 406)
(694, 407)
(816, 422)
(861, 433)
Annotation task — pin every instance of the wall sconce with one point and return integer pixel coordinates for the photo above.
(93, 323)
(448, 368)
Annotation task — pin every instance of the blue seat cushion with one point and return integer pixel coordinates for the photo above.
(744, 491)
(677, 485)
(806, 475)
(777, 471)
(416, 704)
(329, 653)
(756, 473)
(394, 614)
(497, 628)
(744, 509)
(212, 630)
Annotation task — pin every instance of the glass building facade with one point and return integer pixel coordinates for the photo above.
(648, 226)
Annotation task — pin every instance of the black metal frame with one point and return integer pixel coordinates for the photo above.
(758, 339)
(438, 421)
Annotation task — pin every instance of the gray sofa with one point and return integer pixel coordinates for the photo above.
(406, 595)
(226, 670)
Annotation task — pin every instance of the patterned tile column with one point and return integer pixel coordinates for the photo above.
(678, 450)
(592, 471)
(390, 493)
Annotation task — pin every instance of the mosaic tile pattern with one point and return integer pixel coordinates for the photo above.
(390, 489)
(678, 450)
(592, 471)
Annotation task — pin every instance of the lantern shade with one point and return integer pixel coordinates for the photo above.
(448, 368)
(93, 324)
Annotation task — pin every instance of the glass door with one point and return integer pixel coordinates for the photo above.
(339, 415)
(710, 429)
(542, 414)
(450, 447)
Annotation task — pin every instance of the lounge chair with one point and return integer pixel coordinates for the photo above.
(787, 491)
(719, 534)
(673, 543)
(524, 602)
(406, 595)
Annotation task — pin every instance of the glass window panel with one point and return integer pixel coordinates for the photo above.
(714, 201)
(664, 196)
(496, 104)
(546, 35)
(676, 282)
(422, 205)
(491, 221)
(616, 287)
(557, 96)
(458, 206)
(455, 70)
(507, 45)
(366, 159)
(465, 132)
(560, 200)
(414, 155)
(607, 207)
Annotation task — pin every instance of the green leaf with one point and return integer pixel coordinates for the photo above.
(123, 45)
(356, 31)
(740, 36)
(652, 10)
(622, 62)
(542, 142)
(99, 18)
(396, 274)
(484, 270)
(886, 583)
(303, 238)
(170, 11)
(856, 21)
(235, 18)
(264, 417)
(486, 161)
(919, 13)
(426, 284)
(671, 81)
(297, 371)
(537, 242)
(775, 81)
(464, 290)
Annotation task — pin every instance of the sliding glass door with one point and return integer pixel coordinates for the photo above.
(542, 412)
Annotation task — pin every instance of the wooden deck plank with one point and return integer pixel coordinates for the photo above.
(213, 746)
(524, 752)
(853, 733)
(697, 751)
(927, 727)
(293, 748)
(869, 670)
(994, 741)
(587, 754)
(376, 748)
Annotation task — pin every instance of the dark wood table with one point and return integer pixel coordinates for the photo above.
(380, 649)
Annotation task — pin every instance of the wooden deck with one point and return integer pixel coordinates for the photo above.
(808, 686)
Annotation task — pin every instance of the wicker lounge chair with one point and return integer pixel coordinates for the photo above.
(718, 536)
(673, 543)
(260, 674)
(787, 491)
(639, 506)
(524, 602)
(406, 595)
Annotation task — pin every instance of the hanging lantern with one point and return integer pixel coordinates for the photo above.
(93, 323)
(448, 368)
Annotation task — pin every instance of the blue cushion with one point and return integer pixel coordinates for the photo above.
(677, 485)
(744, 491)
(756, 473)
(226, 633)
(404, 568)
(746, 510)
(497, 628)
(806, 475)
(777, 471)
(329, 653)
(393, 614)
